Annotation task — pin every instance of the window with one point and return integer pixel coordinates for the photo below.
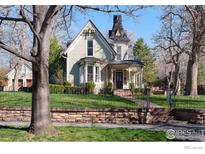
(97, 74)
(90, 47)
(23, 70)
(90, 73)
(119, 52)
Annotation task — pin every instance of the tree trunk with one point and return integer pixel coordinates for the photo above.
(40, 118)
(15, 81)
(188, 76)
(177, 86)
(178, 90)
(194, 74)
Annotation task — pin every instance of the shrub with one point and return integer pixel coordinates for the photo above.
(90, 87)
(56, 88)
(60, 89)
(67, 83)
(139, 91)
(108, 89)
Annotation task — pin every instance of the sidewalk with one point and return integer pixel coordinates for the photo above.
(183, 132)
(141, 102)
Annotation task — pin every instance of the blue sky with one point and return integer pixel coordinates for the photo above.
(145, 26)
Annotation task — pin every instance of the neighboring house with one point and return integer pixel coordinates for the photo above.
(92, 57)
(24, 78)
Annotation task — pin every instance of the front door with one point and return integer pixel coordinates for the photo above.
(119, 80)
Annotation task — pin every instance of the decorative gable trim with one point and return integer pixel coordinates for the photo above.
(104, 41)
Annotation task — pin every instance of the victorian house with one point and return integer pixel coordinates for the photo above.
(95, 58)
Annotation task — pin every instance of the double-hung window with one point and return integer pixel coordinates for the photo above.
(97, 75)
(90, 48)
(90, 73)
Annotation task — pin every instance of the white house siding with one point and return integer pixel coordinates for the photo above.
(25, 74)
(78, 51)
(124, 48)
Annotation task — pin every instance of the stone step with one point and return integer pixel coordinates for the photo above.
(177, 122)
(122, 92)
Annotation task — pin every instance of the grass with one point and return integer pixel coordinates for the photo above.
(83, 134)
(188, 102)
(22, 99)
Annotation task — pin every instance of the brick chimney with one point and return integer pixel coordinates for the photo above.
(118, 33)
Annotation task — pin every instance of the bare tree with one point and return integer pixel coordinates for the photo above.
(172, 42)
(40, 20)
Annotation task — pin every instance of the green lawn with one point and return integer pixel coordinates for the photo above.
(180, 101)
(83, 134)
(21, 99)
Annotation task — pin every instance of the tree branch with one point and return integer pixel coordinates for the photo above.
(13, 19)
(29, 23)
(16, 53)
(114, 9)
(52, 10)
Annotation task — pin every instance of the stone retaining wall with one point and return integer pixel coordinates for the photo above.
(194, 116)
(115, 116)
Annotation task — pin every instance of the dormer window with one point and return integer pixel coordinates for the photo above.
(90, 48)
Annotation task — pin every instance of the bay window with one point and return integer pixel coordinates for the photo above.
(96, 74)
(90, 73)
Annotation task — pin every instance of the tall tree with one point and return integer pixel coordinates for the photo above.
(56, 63)
(201, 75)
(142, 51)
(40, 26)
(196, 21)
(171, 43)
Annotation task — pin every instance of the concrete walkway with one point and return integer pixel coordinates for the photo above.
(141, 102)
(180, 132)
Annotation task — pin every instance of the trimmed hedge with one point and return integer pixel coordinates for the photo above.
(61, 89)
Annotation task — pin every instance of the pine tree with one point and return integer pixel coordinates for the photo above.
(56, 62)
(142, 51)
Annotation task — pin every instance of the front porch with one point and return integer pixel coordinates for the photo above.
(123, 73)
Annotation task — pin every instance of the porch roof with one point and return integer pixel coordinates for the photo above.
(90, 60)
(130, 62)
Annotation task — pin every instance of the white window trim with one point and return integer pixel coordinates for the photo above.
(87, 72)
(97, 78)
(94, 73)
(86, 47)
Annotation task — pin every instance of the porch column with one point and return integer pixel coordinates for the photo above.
(94, 72)
(85, 73)
(129, 81)
(111, 76)
(141, 78)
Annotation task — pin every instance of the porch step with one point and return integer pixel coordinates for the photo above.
(171, 121)
(123, 92)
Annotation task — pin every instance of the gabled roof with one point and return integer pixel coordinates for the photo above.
(4, 71)
(100, 34)
(27, 64)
